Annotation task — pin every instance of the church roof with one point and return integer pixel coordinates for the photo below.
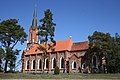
(60, 46)
(80, 46)
(63, 45)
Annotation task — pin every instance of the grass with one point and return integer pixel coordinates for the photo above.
(60, 76)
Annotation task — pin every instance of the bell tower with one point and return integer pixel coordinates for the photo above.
(33, 37)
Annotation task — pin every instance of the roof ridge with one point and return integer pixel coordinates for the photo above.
(81, 42)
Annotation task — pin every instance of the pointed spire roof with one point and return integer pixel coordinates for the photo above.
(34, 22)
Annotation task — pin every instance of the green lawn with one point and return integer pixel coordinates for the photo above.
(60, 76)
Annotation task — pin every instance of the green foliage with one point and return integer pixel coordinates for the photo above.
(12, 60)
(114, 58)
(46, 33)
(42, 48)
(100, 42)
(56, 70)
(10, 34)
(106, 46)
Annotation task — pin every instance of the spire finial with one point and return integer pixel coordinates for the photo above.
(34, 22)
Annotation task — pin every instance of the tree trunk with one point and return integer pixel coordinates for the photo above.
(5, 69)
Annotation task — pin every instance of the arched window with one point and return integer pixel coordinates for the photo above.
(53, 63)
(27, 64)
(46, 63)
(83, 65)
(39, 64)
(62, 62)
(74, 64)
(33, 64)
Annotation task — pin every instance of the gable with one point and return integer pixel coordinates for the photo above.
(74, 56)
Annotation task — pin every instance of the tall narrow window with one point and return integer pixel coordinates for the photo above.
(83, 65)
(33, 64)
(39, 64)
(62, 62)
(53, 63)
(74, 64)
(27, 64)
(46, 63)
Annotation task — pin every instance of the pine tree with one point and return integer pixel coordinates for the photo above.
(46, 33)
(104, 45)
(10, 34)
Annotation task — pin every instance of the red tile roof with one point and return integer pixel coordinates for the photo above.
(62, 45)
(80, 46)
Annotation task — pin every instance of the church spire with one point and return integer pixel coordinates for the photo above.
(33, 38)
(34, 22)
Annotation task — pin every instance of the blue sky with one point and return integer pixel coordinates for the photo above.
(76, 18)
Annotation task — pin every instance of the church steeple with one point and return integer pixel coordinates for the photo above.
(34, 22)
(33, 38)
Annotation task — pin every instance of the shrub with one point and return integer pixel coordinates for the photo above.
(56, 70)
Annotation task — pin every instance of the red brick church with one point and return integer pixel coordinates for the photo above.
(69, 56)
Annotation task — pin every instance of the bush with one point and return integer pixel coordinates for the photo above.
(56, 70)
